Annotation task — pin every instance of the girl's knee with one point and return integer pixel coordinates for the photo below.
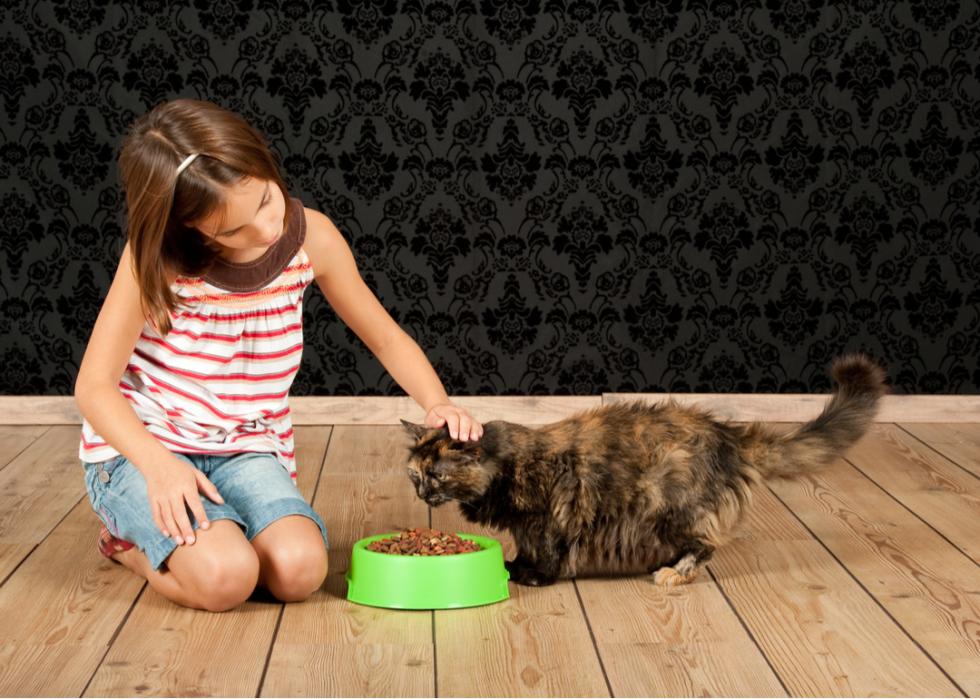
(295, 572)
(218, 575)
(227, 581)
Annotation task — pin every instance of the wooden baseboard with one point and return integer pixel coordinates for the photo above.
(536, 410)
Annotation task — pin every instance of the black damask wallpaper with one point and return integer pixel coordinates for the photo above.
(551, 197)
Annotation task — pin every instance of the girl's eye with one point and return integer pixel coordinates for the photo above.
(264, 202)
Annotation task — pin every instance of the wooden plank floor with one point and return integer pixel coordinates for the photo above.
(861, 580)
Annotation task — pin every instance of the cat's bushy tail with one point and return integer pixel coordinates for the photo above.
(844, 420)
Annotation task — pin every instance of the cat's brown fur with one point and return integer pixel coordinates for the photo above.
(628, 487)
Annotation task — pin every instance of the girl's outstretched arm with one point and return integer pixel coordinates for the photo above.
(337, 276)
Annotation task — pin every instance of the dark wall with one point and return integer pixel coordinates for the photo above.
(550, 197)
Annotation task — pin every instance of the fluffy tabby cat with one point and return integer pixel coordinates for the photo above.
(630, 488)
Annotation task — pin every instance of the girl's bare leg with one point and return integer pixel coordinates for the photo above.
(215, 572)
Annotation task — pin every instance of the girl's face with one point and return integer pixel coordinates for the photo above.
(253, 221)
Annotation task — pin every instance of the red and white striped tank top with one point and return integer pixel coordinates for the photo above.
(218, 382)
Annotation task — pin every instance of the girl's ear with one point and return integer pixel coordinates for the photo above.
(415, 430)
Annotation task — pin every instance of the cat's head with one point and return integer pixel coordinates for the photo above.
(442, 468)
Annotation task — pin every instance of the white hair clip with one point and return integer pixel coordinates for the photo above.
(187, 161)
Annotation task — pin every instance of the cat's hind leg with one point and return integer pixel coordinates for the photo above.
(686, 566)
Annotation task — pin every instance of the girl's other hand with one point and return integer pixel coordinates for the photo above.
(461, 424)
(172, 489)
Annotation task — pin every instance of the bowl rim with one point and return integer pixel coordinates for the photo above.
(361, 545)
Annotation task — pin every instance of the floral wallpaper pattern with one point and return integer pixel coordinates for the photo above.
(551, 197)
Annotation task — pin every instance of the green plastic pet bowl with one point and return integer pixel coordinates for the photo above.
(427, 582)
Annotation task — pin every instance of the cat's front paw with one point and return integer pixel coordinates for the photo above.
(668, 577)
(523, 574)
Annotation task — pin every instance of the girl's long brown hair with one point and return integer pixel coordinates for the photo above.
(159, 202)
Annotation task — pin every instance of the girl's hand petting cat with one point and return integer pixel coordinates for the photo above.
(461, 424)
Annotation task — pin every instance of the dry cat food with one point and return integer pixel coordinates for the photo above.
(422, 541)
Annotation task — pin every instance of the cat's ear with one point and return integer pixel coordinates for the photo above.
(415, 430)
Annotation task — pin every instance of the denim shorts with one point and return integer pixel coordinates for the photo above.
(255, 486)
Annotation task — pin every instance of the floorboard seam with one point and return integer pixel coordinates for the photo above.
(595, 644)
(913, 512)
(748, 631)
(26, 446)
(868, 593)
(948, 458)
(19, 564)
(323, 464)
(115, 635)
(35, 547)
(268, 655)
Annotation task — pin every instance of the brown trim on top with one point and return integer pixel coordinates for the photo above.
(253, 275)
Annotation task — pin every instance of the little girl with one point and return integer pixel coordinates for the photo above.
(183, 387)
